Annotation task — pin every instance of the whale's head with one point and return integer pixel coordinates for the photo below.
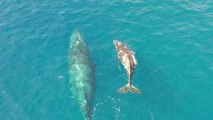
(77, 39)
(117, 43)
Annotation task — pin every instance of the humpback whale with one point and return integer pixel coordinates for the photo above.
(81, 73)
(129, 62)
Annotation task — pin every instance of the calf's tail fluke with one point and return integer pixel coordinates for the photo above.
(129, 88)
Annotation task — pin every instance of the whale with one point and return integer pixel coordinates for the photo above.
(81, 72)
(128, 60)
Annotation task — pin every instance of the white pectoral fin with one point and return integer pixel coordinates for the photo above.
(118, 63)
(134, 59)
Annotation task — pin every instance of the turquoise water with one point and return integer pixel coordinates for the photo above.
(173, 41)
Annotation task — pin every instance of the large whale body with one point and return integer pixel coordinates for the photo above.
(81, 72)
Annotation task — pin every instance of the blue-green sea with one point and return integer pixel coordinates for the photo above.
(172, 39)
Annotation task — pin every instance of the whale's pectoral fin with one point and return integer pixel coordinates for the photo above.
(119, 66)
(134, 60)
(130, 88)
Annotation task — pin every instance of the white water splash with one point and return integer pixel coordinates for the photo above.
(61, 77)
(111, 101)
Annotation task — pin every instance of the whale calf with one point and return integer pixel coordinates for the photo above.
(129, 62)
(81, 73)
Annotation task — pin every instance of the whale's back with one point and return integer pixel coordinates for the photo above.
(81, 72)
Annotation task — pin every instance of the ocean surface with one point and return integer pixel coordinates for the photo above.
(172, 39)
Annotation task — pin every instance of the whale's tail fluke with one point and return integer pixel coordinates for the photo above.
(129, 88)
